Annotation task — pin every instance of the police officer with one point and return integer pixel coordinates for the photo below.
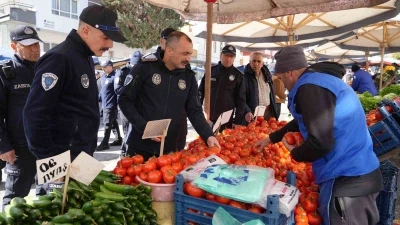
(16, 78)
(119, 80)
(62, 111)
(108, 99)
(161, 89)
(227, 89)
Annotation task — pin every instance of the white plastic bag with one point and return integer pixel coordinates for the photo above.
(191, 173)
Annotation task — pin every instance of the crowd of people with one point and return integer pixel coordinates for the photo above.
(50, 104)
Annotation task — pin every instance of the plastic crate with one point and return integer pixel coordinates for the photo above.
(396, 110)
(386, 200)
(385, 136)
(185, 203)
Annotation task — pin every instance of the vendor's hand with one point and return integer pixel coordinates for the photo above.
(262, 143)
(156, 139)
(212, 141)
(249, 117)
(288, 146)
(8, 156)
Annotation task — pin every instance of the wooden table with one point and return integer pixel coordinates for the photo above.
(389, 154)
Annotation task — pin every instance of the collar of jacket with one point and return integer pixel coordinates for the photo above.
(223, 68)
(331, 68)
(111, 74)
(161, 65)
(159, 53)
(24, 62)
(249, 71)
(82, 47)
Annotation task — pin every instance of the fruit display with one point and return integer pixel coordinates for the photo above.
(109, 203)
(375, 115)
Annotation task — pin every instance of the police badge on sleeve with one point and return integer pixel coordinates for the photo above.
(85, 80)
(182, 84)
(128, 80)
(49, 80)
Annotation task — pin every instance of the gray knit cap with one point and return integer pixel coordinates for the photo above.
(290, 58)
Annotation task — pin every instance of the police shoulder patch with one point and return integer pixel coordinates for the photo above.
(49, 80)
(85, 80)
(128, 79)
(151, 57)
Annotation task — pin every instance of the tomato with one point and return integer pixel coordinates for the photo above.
(126, 162)
(174, 157)
(313, 195)
(244, 152)
(310, 205)
(314, 218)
(211, 197)
(226, 159)
(127, 180)
(134, 170)
(298, 138)
(233, 157)
(255, 210)
(169, 176)
(193, 159)
(120, 171)
(163, 160)
(389, 109)
(222, 200)
(213, 151)
(299, 210)
(177, 166)
(194, 191)
(238, 205)
(229, 146)
(138, 159)
(165, 168)
(154, 176)
(149, 166)
(301, 218)
(143, 176)
(289, 138)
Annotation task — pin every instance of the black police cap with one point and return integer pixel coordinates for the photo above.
(25, 35)
(103, 19)
(165, 33)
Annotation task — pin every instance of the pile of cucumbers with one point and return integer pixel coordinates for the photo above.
(104, 203)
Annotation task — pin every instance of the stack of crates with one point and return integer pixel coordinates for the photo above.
(385, 134)
(386, 200)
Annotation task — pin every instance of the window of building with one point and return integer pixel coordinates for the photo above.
(47, 46)
(66, 8)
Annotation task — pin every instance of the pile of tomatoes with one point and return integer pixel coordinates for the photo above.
(375, 115)
(237, 147)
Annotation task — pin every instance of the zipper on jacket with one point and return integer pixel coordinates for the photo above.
(340, 209)
(166, 102)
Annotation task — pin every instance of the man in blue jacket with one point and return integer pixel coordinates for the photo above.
(362, 81)
(16, 77)
(108, 99)
(329, 116)
(62, 110)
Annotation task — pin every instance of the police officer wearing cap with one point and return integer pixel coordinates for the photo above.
(162, 89)
(227, 89)
(108, 99)
(119, 80)
(16, 78)
(62, 111)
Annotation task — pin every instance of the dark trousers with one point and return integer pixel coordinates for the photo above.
(125, 129)
(361, 210)
(20, 176)
(110, 122)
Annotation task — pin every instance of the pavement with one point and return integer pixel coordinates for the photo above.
(110, 157)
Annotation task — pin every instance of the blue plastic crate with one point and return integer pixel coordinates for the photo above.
(184, 204)
(386, 200)
(396, 111)
(385, 136)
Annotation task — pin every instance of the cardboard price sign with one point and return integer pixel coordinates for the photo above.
(53, 168)
(85, 168)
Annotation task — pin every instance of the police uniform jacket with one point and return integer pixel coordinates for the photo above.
(153, 92)
(62, 111)
(227, 92)
(119, 79)
(108, 97)
(13, 94)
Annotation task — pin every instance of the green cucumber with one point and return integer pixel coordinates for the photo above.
(78, 214)
(17, 201)
(63, 219)
(119, 188)
(112, 197)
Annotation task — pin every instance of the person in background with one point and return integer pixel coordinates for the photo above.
(259, 88)
(108, 99)
(362, 81)
(16, 78)
(280, 96)
(329, 116)
(161, 89)
(227, 89)
(120, 77)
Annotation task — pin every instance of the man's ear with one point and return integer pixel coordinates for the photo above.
(13, 46)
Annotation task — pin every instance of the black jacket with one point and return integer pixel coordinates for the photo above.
(119, 79)
(227, 92)
(62, 110)
(251, 86)
(13, 94)
(157, 93)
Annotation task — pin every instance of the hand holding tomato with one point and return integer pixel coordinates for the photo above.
(287, 145)
(212, 141)
(262, 143)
